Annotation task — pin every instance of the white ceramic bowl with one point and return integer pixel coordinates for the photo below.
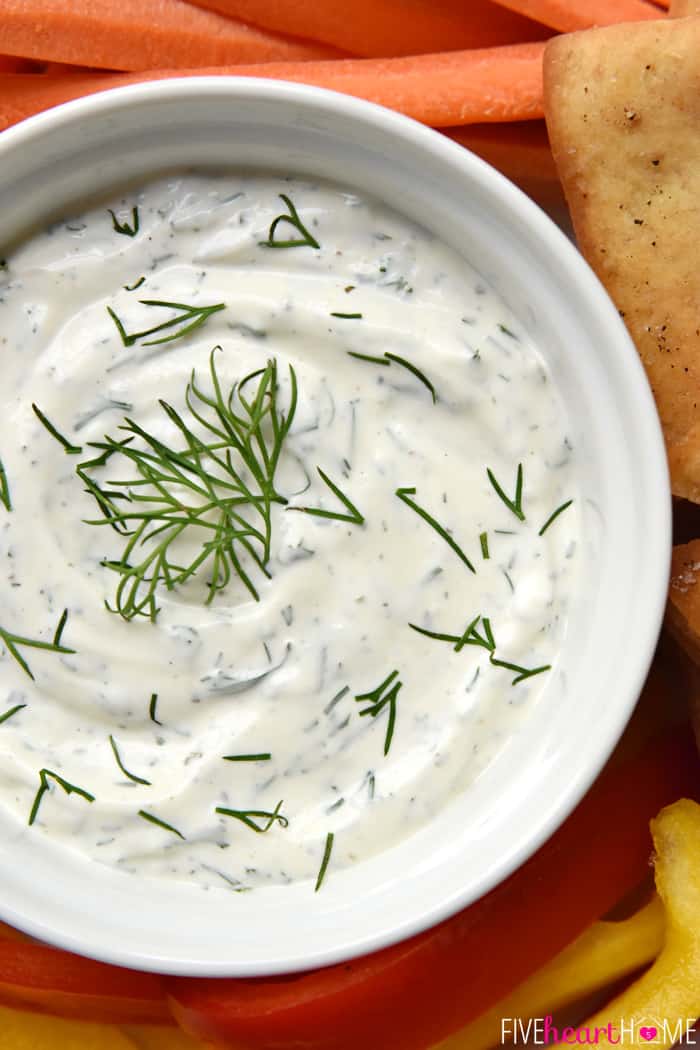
(96, 144)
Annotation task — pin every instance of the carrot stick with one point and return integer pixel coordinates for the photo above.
(386, 28)
(454, 88)
(519, 150)
(139, 35)
(569, 15)
(10, 64)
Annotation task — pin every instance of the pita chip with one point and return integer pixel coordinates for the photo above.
(623, 115)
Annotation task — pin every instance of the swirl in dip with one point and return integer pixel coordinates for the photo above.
(246, 691)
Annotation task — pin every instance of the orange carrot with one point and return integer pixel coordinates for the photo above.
(139, 35)
(519, 150)
(454, 88)
(62, 69)
(385, 28)
(569, 15)
(10, 64)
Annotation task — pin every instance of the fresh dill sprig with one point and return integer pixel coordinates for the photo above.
(69, 447)
(103, 498)
(328, 849)
(13, 642)
(514, 505)
(247, 817)
(5, 498)
(190, 317)
(378, 701)
(306, 238)
(70, 789)
(264, 756)
(152, 709)
(414, 371)
(369, 357)
(12, 711)
(160, 823)
(125, 771)
(438, 636)
(553, 516)
(123, 227)
(206, 487)
(484, 541)
(521, 672)
(354, 517)
(471, 636)
(404, 495)
(133, 287)
(388, 358)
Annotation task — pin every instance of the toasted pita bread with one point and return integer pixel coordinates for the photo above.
(683, 614)
(623, 114)
(683, 8)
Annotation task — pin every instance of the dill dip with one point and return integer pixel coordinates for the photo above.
(289, 523)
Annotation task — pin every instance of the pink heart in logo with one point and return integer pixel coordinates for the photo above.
(648, 1033)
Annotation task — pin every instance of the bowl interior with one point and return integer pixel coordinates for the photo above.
(101, 143)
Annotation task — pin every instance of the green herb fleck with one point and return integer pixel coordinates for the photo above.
(552, 517)
(4, 488)
(377, 703)
(12, 711)
(404, 495)
(328, 849)
(521, 672)
(388, 358)
(123, 227)
(471, 636)
(70, 789)
(133, 287)
(369, 357)
(190, 317)
(247, 817)
(306, 238)
(13, 641)
(414, 371)
(160, 823)
(354, 517)
(70, 449)
(264, 756)
(348, 317)
(515, 505)
(152, 709)
(484, 541)
(131, 776)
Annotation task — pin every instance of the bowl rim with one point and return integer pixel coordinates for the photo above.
(590, 289)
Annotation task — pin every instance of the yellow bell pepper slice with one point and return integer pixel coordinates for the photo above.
(27, 1031)
(602, 954)
(159, 1037)
(666, 998)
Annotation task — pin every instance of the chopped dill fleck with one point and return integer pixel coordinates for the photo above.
(552, 517)
(306, 239)
(324, 863)
(123, 227)
(160, 823)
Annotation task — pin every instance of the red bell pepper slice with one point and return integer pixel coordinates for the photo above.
(410, 996)
(46, 980)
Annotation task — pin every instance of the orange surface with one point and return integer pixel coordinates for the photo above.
(451, 88)
(139, 34)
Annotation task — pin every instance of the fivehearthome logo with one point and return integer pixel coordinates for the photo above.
(541, 1031)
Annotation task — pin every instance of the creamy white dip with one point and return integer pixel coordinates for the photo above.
(277, 676)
